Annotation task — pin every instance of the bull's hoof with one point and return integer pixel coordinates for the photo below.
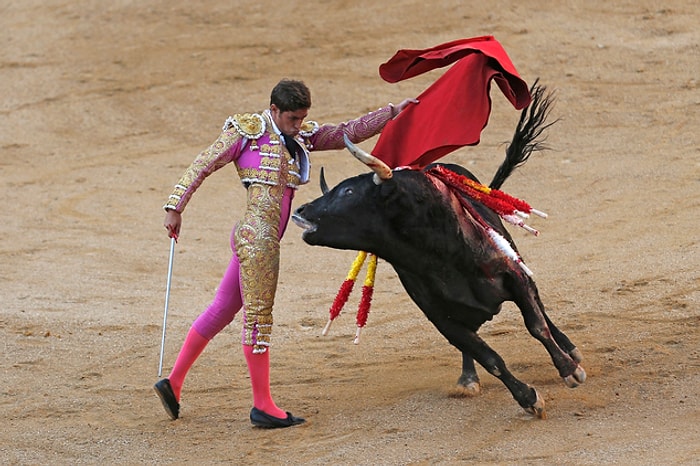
(468, 390)
(576, 355)
(537, 409)
(575, 379)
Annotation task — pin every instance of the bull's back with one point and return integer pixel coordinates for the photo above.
(491, 217)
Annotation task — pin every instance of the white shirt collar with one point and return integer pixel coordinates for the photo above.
(274, 126)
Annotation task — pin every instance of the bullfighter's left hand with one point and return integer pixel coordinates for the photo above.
(396, 109)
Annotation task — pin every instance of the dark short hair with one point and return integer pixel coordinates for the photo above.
(290, 95)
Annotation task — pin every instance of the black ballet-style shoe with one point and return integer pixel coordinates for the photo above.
(167, 397)
(261, 419)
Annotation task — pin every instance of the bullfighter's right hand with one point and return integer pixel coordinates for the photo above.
(172, 223)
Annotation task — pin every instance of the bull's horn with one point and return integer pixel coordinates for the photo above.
(382, 172)
(324, 185)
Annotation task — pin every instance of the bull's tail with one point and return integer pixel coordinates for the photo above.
(528, 134)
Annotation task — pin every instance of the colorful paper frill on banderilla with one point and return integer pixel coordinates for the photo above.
(509, 208)
(347, 287)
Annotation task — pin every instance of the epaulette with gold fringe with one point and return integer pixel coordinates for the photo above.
(248, 125)
(308, 129)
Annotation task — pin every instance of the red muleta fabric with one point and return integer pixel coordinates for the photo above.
(452, 112)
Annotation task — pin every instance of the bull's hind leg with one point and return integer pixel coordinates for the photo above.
(468, 384)
(564, 354)
(468, 342)
(561, 339)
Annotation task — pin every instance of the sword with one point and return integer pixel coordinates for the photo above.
(173, 240)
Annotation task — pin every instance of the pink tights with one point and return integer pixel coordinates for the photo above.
(226, 304)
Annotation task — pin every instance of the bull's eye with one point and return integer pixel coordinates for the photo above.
(347, 191)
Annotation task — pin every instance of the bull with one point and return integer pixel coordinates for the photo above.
(450, 267)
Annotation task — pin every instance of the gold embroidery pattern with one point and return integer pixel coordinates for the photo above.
(207, 162)
(248, 125)
(255, 175)
(257, 247)
(308, 129)
(270, 163)
(258, 250)
(268, 170)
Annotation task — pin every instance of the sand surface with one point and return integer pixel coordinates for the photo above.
(104, 104)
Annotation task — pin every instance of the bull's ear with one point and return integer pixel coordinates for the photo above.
(395, 202)
(389, 190)
(403, 192)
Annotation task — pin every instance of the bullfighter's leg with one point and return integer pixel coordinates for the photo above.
(469, 342)
(468, 384)
(565, 359)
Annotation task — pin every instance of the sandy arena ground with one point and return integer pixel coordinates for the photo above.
(103, 106)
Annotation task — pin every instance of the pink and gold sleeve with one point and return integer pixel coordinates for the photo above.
(331, 136)
(223, 151)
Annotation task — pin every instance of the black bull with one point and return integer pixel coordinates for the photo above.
(445, 261)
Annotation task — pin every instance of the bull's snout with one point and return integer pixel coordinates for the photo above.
(301, 221)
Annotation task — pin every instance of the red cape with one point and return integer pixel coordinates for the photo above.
(452, 112)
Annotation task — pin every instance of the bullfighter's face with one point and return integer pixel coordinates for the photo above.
(288, 122)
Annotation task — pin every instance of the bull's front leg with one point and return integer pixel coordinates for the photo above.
(469, 343)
